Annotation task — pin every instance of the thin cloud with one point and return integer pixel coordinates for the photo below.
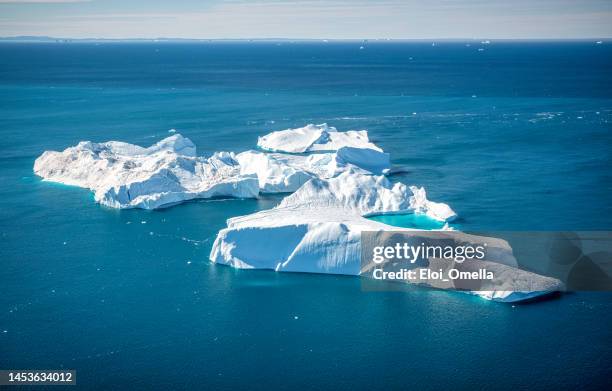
(42, 1)
(339, 19)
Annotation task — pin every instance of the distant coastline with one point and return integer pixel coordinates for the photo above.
(47, 39)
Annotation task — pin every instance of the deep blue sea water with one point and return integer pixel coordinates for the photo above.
(517, 136)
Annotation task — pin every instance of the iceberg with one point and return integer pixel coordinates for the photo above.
(336, 180)
(318, 229)
(364, 195)
(312, 138)
(285, 173)
(435, 210)
(293, 156)
(123, 175)
(275, 173)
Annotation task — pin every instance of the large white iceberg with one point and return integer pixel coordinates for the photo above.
(334, 177)
(123, 175)
(314, 151)
(312, 138)
(318, 230)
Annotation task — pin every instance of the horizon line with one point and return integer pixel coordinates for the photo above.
(44, 38)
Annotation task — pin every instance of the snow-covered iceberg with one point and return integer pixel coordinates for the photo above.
(365, 195)
(313, 138)
(293, 156)
(123, 175)
(336, 183)
(285, 173)
(318, 229)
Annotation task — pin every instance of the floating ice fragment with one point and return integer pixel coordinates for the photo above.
(437, 211)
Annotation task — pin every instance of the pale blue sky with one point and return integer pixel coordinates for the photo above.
(334, 19)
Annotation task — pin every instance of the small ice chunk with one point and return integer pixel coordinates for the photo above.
(434, 210)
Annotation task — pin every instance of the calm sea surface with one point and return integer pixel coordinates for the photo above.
(516, 136)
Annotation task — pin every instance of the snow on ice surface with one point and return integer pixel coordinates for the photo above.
(370, 195)
(313, 138)
(285, 173)
(324, 153)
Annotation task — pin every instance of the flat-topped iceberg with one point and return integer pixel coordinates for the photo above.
(318, 230)
(312, 138)
(123, 175)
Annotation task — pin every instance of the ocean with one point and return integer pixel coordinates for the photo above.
(513, 135)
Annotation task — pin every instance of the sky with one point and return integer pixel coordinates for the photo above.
(308, 19)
